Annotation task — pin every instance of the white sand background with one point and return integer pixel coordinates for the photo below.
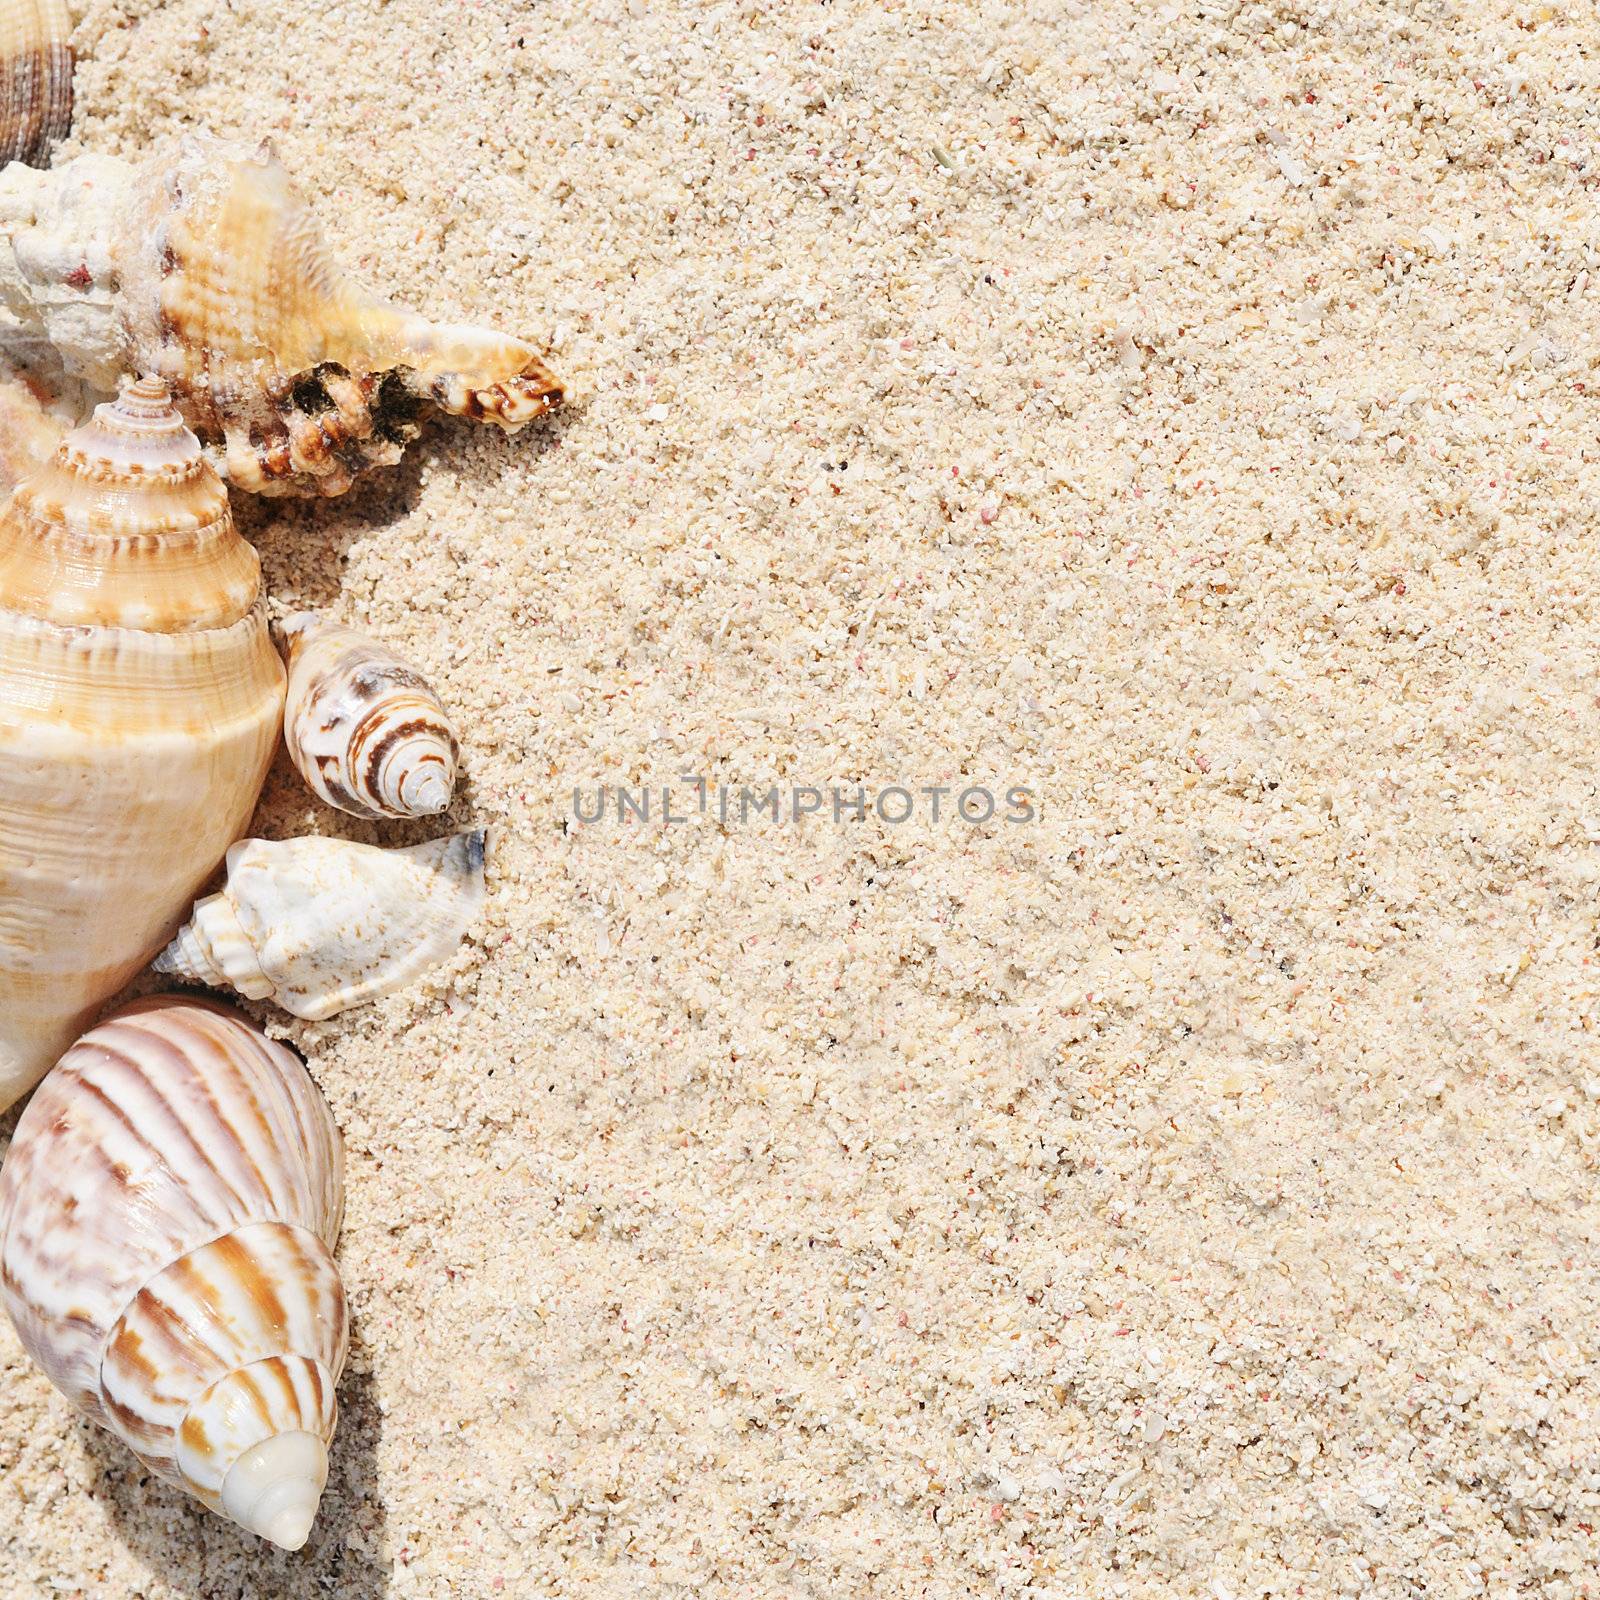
(1191, 1194)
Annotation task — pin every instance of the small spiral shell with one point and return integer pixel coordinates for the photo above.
(168, 1209)
(362, 726)
(35, 78)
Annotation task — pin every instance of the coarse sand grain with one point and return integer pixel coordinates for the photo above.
(1186, 412)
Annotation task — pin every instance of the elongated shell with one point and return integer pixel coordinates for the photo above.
(140, 699)
(35, 78)
(204, 265)
(320, 925)
(168, 1211)
(362, 726)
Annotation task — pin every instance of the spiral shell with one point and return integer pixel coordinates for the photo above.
(140, 699)
(320, 925)
(35, 78)
(168, 1211)
(204, 265)
(362, 726)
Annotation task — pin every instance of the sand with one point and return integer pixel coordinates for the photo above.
(1184, 412)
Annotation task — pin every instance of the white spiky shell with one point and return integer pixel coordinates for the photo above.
(140, 699)
(362, 725)
(168, 1211)
(204, 265)
(320, 925)
(35, 78)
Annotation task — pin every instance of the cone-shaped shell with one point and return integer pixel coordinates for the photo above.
(320, 925)
(125, 526)
(204, 265)
(168, 1211)
(35, 78)
(140, 699)
(362, 725)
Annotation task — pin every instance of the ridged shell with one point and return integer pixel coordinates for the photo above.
(30, 430)
(140, 700)
(168, 1211)
(320, 925)
(362, 725)
(35, 78)
(204, 265)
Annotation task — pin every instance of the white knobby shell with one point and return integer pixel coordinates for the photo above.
(320, 925)
(362, 725)
(168, 1211)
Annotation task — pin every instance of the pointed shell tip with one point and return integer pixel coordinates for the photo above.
(274, 1488)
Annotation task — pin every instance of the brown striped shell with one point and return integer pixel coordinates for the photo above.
(362, 725)
(168, 1211)
(35, 78)
(204, 265)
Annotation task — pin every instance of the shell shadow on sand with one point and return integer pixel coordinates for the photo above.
(303, 542)
(203, 1557)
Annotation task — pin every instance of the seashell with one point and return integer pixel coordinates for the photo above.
(168, 1211)
(204, 265)
(362, 725)
(30, 430)
(35, 78)
(320, 925)
(140, 699)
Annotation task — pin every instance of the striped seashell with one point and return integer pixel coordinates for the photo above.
(362, 725)
(35, 78)
(168, 1211)
(320, 925)
(203, 264)
(140, 701)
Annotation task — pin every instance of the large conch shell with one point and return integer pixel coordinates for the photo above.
(320, 925)
(168, 1211)
(362, 726)
(35, 78)
(140, 698)
(203, 265)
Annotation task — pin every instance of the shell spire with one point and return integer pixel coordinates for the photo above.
(168, 1211)
(140, 700)
(320, 925)
(35, 78)
(363, 727)
(126, 526)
